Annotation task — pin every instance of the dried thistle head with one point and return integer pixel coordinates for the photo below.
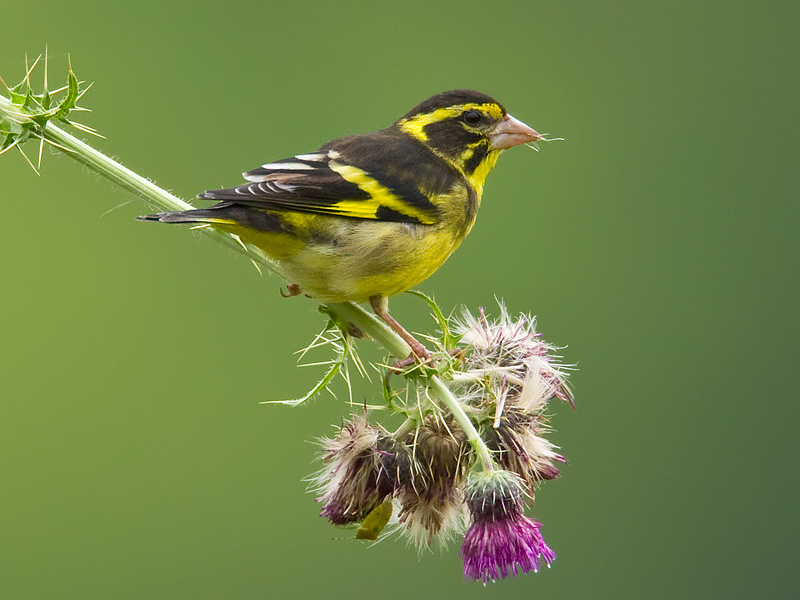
(467, 466)
(520, 446)
(364, 466)
(509, 376)
(509, 358)
(431, 501)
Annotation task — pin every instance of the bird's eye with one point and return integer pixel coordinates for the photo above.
(472, 117)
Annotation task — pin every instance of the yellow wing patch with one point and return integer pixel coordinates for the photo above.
(380, 196)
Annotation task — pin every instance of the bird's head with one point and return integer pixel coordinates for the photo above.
(468, 129)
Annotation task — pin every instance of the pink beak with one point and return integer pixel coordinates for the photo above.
(512, 132)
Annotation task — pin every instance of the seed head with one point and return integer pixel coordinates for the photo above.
(510, 374)
(521, 447)
(509, 358)
(432, 501)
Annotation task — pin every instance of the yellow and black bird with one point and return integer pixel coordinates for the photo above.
(371, 215)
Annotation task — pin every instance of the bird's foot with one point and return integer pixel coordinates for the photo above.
(428, 361)
(401, 365)
(458, 354)
(294, 290)
(354, 331)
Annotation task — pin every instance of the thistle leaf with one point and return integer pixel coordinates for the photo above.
(321, 385)
(448, 339)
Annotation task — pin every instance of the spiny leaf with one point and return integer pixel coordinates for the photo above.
(321, 385)
(32, 112)
(68, 103)
(330, 335)
(448, 340)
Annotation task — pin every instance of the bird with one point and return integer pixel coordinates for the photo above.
(370, 215)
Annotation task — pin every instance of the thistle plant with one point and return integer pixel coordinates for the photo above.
(471, 449)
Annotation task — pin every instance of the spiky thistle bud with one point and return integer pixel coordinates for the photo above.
(501, 540)
(365, 465)
(432, 501)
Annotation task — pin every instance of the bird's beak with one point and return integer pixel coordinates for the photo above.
(512, 132)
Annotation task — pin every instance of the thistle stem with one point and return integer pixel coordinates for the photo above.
(138, 185)
(163, 200)
(446, 397)
(372, 326)
(404, 429)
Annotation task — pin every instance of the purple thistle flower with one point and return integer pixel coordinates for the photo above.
(501, 541)
(498, 548)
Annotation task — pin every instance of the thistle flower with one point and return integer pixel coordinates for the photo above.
(501, 541)
(432, 501)
(364, 466)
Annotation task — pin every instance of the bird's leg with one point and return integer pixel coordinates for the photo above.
(294, 290)
(457, 353)
(380, 304)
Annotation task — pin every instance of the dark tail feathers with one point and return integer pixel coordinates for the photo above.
(182, 216)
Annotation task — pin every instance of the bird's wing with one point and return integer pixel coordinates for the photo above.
(325, 183)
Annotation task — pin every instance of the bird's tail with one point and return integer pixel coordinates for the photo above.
(226, 216)
(187, 216)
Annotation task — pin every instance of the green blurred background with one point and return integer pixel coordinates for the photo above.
(656, 242)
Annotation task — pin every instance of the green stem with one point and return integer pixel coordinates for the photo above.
(446, 397)
(163, 200)
(407, 427)
(377, 329)
(158, 197)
